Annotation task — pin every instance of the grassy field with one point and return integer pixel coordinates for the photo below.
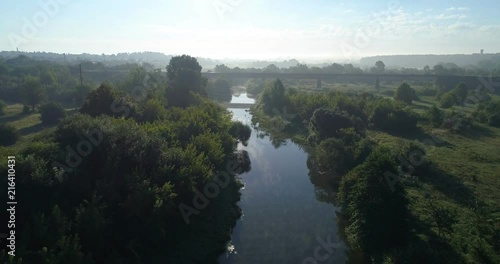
(28, 125)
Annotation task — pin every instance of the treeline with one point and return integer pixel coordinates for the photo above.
(147, 178)
(379, 67)
(372, 180)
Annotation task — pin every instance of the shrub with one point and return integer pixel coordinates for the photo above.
(435, 116)
(51, 113)
(405, 93)
(153, 110)
(8, 135)
(448, 100)
(388, 116)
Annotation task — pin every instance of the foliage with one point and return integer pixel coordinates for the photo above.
(327, 123)
(488, 112)
(435, 116)
(8, 135)
(387, 115)
(95, 176)
(52, 113)
(273, 97)
(152, 110)
(105, 100)
(240, 131)
(405, 93)
(33, 92)
(184, 76)
(377, 217)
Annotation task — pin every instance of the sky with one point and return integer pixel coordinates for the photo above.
(252, 29)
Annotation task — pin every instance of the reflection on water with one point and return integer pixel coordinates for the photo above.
(286, 216)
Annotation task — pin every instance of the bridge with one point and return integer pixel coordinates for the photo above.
(448, 81)
(237, 105)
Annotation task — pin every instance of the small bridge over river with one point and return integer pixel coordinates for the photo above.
(237, 105)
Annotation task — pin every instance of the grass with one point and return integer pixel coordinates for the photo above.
(29, 125)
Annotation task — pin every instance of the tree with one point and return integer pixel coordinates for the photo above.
(405, 93)
(379, 67)
(8, 135)
(153, 110)
(105, 100)
(47, 77)
(273, 97)
(184, 76)
(325, 123)
(461, 92)
(51, 113)
(435, 116)
(33, 92)
(376, 208)
(222, 68)
(448, 100)
(439, 70)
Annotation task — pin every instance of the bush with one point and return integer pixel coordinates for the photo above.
(105, 100)
(153, 110)
(51, 113)
(448, 100)
(405, 93)
(388, 116)
(435, 116)
(2, 108)
(8, 135)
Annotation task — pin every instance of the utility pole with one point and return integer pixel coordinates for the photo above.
(81, 83)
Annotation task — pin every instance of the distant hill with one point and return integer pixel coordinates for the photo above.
(420, 61)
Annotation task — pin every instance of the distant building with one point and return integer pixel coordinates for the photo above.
(482, 51)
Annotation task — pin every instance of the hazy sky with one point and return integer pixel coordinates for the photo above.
(252, 28)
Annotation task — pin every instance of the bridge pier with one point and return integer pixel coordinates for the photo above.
(318, 84)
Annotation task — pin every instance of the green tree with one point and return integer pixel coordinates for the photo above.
(461, 92)
(326, 123)
(105, 100)
(184, 76)
(33, 92)
(448, 100)
(153, 110)
(405, 93)
(47, 77)
(377, 215)
(273, 97)
(51, 113)
(435, 116)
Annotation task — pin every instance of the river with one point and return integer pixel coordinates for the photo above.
(283, 221)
